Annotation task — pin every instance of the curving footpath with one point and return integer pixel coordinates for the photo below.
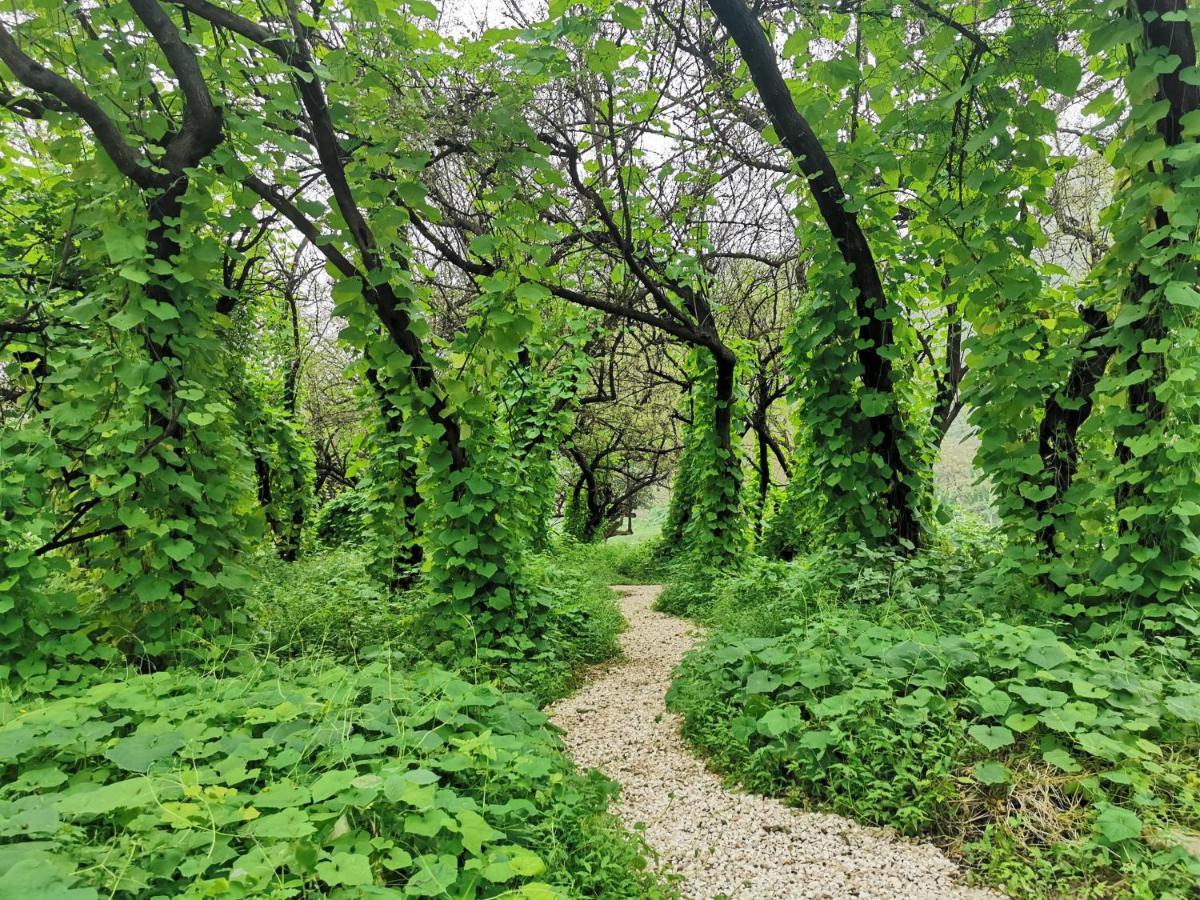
(725, 844)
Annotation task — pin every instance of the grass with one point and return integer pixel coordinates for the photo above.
(647, 525)
(328, 603)
(956, 480)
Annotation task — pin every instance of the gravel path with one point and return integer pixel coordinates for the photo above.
(725, 844)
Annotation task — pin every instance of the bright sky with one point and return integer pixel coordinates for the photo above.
(469, 15)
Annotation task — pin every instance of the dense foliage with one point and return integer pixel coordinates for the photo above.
(301, 780)
(903, 692)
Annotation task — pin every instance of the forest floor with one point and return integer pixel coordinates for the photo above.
(721, 842)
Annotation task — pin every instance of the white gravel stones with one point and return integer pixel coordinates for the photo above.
(725, 844)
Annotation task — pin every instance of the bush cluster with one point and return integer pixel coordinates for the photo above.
(585, 622)
(895, 691)
(341, 521)
(327, 602)
(332, 603)
(314, 753)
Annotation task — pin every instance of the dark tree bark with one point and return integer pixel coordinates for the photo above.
(764, 473)
(1064, 414)
(588, 486)
(725, 363)
(389, 309)
(723, 395)
(875, 332)
(292, 379)
(1174, 38)
(947, 403)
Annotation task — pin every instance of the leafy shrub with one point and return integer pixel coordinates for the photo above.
(583, 629)
(810, 717)
(893, 692)
(301, 781)
(615, 561)
(691, 586)
(71, 645)
(330, 603)
(767, 597)
(327, 602)
(341, 522)
(638, 562)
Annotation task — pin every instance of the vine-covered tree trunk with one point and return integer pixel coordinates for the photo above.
(159, 514)
(879, 407)
(1156, 484)
(392, 500)
(683, 498)
(705, 513)
(1065, 413)
(722, 490)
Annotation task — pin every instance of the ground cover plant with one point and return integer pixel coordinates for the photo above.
(330, 603)
(902, 692)
(301, 780)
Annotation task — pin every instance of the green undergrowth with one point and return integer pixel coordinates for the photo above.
(689, 587)
(329, 603)
(301, 779)
(616, 561)
(904, 692)
(313, 752)
(639, 563)
(584, 624)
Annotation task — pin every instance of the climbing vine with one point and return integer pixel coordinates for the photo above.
(705, 517)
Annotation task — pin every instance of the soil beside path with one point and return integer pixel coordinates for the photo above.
(724, 843)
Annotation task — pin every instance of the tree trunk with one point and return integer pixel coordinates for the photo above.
(1182, 97)
(875, 332)
(764, 472)
(409, 555)
(1065, 412)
